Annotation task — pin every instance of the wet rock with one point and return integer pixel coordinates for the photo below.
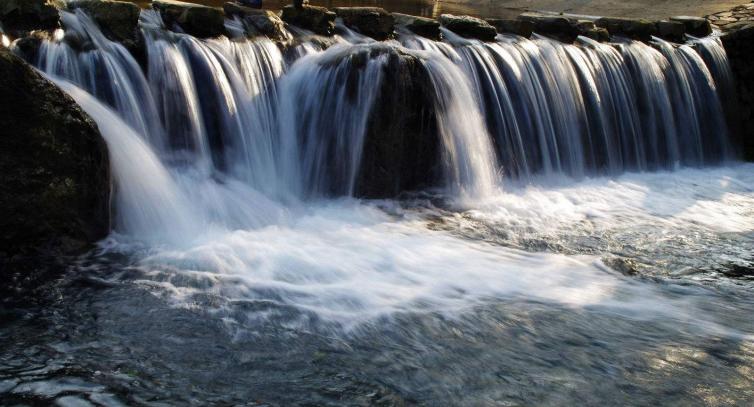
(373, 22)
(426, 27)
(555, 26)
(523, 28)
(258, 22)
(401, 148)
(469, 27)
(316, 19)
(587, 29)
(671, 30)
(634, 28)
(118, 20)
(596, 33)
(195, 19)
(737, 45)
(21, 16)
(54, 169)
(696, 26)
(28, 46)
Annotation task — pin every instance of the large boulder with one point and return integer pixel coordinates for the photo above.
(54, 169)
(195, 19)
(696, 26)
(426, 27)
(519, 27)
(738, 47)
(401, 147)
(20, 16)
(373, 22)
(118, 20)
(469, 27)
(634, 28)
(257, 21)
(316, 19)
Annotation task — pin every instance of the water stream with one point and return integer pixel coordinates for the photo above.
(587, 239)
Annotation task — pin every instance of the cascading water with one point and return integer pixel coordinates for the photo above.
(235, 106)
(597, 108)
(550, 176)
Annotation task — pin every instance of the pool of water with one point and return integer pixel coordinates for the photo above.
(627, 290)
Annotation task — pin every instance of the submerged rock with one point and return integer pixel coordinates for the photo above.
(258, 22)
(634, 28)
(118, 20)
(195, 19)
(469, 27)
(523, 28)
(426, 27)
(54, 169)
(373, 22)
(20, 16)
(316, 19)
(696, 26)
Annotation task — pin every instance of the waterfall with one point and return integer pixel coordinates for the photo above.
(234, 130)
(325, 106)
(594, 108)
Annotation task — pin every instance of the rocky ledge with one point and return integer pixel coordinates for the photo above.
(736, 18)
(119, 21)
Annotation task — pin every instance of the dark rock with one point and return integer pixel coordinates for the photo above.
(21, 16)
(373, 22)
(696, 26)
(469, 27)
(555, 26)
(426, 27)
(316, 19)
(197, 20)
(523, 28)
(634, 28)
(738, 47)
(54, 169)
(118, 20)
(671, 30)
(258, 22)
(401, 147)
(28, 46)
(596, 33)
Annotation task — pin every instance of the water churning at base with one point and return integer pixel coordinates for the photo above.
(242, 129)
